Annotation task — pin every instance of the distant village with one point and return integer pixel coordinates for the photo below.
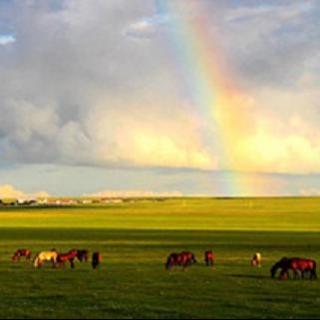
(56, 202)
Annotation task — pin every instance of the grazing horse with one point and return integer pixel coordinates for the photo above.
(67, 257)
(188, 258)
(256, 260)
(83, 255)
(184, 259)
(296, 265)
(21, 253)
(174, 259)
(209, 258)
(45, 256)
(96, 260)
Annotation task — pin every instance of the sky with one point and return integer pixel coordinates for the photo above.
(191, 97)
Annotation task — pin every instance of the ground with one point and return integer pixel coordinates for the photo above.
(135, 238)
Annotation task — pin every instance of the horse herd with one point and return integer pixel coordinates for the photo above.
(58, 259)
(300, 267)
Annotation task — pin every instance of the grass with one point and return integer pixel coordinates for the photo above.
(135, 239)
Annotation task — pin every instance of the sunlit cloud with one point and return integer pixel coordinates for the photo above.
(10, 192)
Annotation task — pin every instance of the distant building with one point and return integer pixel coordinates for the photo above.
(87, 201)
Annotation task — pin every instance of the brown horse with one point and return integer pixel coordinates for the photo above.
(67, 257)
(83, 255)
(184, 259)
(188, 258)
(209, 258)
(296, 265)
(21, 253)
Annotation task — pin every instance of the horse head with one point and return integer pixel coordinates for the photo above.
(15, 258)
(36, 261)
(171, 261)
(281, 264)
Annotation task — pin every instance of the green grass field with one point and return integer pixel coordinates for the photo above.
(135, 239)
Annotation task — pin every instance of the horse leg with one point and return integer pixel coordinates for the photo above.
(315, 277)
(313, 274)
(284, 274)
(72, 264)
(53, 263)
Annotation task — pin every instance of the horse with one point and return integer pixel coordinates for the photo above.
(209, 258)
(67, 257)
(96, 260)
(188, 258)
(83, 255)
(45, 256)
(296, 265)
(174, 259)
(256, 260)
(21, 253)
(184, 259)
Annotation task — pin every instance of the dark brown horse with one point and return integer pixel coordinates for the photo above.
(67, 257)
(83, 255)
(21, 253)
(96, 260)
(297, 265)
(209, 258)
(184, 259)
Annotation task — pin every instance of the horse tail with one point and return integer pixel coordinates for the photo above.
(314, 270)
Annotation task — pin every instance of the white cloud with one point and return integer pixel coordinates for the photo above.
(6, 39)
(147, 26)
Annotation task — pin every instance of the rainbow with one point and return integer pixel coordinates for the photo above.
(209, 84)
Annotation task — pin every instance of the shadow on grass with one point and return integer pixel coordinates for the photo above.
(250, 276)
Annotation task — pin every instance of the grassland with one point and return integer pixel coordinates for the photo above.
(135, 239)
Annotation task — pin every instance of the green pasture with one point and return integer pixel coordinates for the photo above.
(135, 238)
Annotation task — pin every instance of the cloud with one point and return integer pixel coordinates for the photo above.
(76, 90)
(147, 26)
(310, 192)
(88, 95)
(134, 194)
(6, 39)
(271, 44)
(9, 192)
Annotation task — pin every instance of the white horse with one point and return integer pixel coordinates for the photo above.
(45, 256)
